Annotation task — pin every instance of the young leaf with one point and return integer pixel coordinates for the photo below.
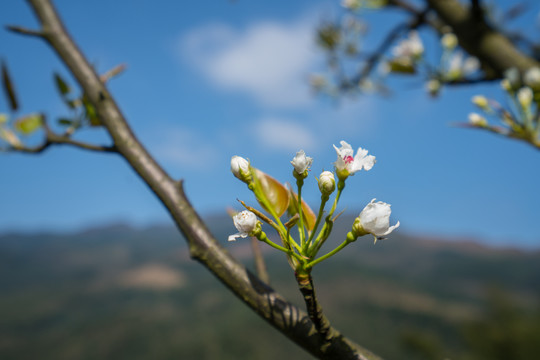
(90, 112)
(28, 124)
(9, 89)
(61, 85)
(276, 194)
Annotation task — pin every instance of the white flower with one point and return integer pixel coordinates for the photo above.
(532, 77)
(327, 183)
(301, 162)
(525, 96)
(245, 222)
(240, 168)
(375, 220)
(477, 120)
(409, 48)
(458, 66)
(347, 165)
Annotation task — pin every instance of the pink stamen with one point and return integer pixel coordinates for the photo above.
(348, 159)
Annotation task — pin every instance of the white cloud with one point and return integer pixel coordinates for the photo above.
(283, 134)
(185, 147)
(268, 60)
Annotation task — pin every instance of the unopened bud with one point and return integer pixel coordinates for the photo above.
(480, 101)
(477, 120)
(449, 41)
(525, 97)
(327, 183)
(240, 168)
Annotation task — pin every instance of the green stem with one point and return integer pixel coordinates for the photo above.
(262, 237)
(350, 238)
(324, 233)
(324, 200)
(301, 233)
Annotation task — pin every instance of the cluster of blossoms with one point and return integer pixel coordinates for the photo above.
(407, 54)
(522, 119)
(454, 65)
(407, 57)
(275, 199)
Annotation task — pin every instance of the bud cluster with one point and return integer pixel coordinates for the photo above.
(313, 229)
(521, 121)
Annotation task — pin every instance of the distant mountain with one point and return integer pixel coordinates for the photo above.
(119, 292)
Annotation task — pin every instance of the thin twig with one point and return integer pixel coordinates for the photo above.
(24, 31)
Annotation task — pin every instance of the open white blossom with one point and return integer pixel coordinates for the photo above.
(375, 220)
(301, 162)
(409, 48)
(347, 165)
(245, 222)
(240, 168)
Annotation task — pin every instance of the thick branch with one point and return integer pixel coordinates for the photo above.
(287, 318)
(479, 39)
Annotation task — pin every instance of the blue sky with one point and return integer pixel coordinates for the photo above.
(210, 79)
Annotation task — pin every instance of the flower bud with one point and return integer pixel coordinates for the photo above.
(327, 183)
(433, 87)
(246, 223)
(525, 97)
(449, 41)
(480, 101)
(240, 168)
(532, 78)
(477, 120)
(301, 163)
(374, 220)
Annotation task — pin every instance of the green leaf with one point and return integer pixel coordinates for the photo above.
(3, 118)
(28, 124)
(61, 85)
(8, 88)
(402, 67)
(90, 112)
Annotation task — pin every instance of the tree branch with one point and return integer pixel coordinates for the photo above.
(287, 318)
(494, 50)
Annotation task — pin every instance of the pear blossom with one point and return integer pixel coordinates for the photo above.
(458, 66)
(240, 168)
(327, 183)
(375, 220)
(410, 48)
(347, 165)
(301, 162)
(245, 222)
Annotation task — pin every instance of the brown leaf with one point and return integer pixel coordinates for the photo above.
(276, 194)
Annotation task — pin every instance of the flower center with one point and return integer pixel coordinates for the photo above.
(348, 159)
